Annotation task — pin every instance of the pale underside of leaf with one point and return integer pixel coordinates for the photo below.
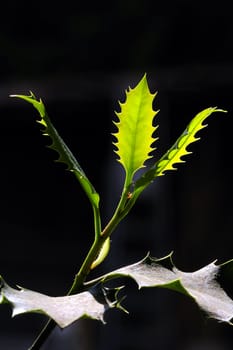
(201, 286)
(63, 310)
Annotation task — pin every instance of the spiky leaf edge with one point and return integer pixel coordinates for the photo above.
(64, 310)
(58, 145)
(176, 152)
(200, 285)
(129, 158)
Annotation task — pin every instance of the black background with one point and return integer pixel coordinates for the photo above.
(80, 58)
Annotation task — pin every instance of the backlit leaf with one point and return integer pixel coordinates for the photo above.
(176, 153)
(135, 129)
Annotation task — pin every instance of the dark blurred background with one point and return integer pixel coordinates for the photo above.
(79, 58)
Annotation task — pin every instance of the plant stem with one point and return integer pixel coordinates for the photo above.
(86, 266)
(97, 221)
(43, 335)
(75, 288)
(80, 277)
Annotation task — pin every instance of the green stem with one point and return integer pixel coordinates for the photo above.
(86, 266)
(43, 335)
(97, 221)
(79, 279)
(85, 269)
(119, 212)
(76, 286)
(97, 244)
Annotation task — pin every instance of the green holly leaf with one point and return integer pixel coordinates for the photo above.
(135, 128)
(58, 145)
(176, 153)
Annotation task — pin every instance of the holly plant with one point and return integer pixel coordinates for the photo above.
(133, 145)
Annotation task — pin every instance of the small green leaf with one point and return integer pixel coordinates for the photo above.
(176, 153)
(200, 285)
(63, 310)
(102, 254)
(58, 145)
(135, 129)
